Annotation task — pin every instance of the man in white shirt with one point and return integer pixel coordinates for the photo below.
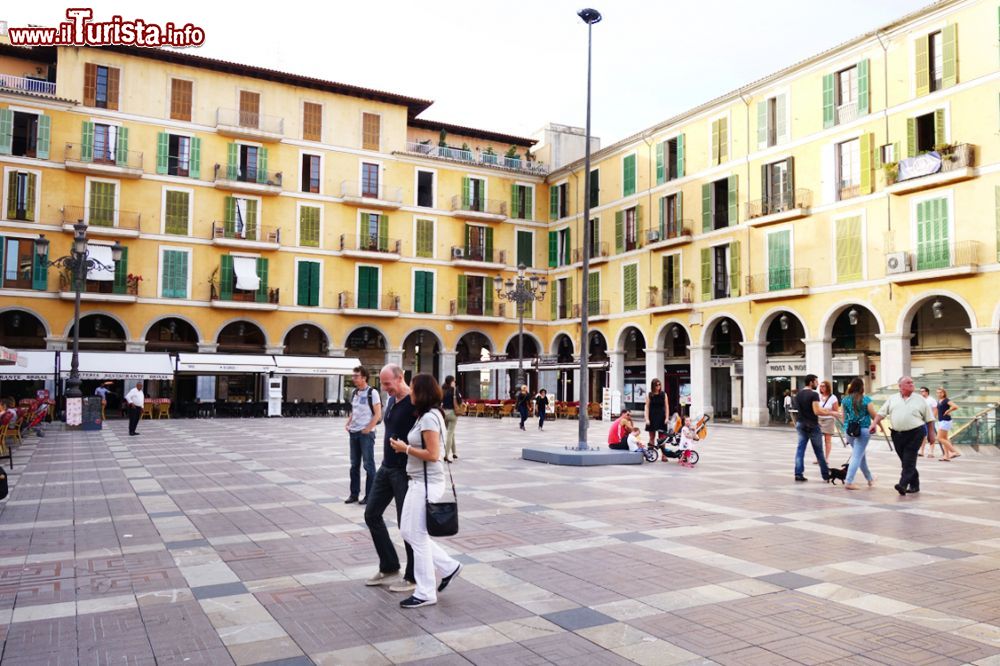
(366, 412)
(925, 393)
(135, 400)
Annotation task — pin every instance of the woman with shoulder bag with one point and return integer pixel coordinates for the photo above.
(427, 484)
(827, 424)
(858, 411)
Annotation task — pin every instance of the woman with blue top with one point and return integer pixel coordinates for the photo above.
(858, 411)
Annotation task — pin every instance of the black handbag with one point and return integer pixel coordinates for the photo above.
(442, 517)
(854, 428)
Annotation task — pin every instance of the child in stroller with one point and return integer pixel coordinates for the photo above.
(677, 440)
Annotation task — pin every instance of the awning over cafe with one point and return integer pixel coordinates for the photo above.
(495, 365)
(31, 365)
(120, 365)
(224, 364)
(314, 366)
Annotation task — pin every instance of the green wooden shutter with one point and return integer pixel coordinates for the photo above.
(628, 175)
(43, 137)
(553, 249)
(829, 100)
(723, 140)
(911, 137)
(6, 131)
(251, 221)
(715, 142)
(864, 99)
(680, 155)
(121, 273)
(734, 209)
(39, 271)
(922, 60)
(262, 165)
(949, 46)
(659, 163)
(631, 287)
(487, 298)
(426, 292)
(87, 142)
(594, 293)
(781, 118)
(309, 226)
(662, 217)
(166, 275)
(180, 274)
(706, 208)
(529, 204)
(554, 302)
(679, 211)
(706, 274)
(229, 223)
(515, 210)
(734, 269)
(595, 188)
(762, 124)
(849, 250)
(553, 203)
(638, 225)
(619, 231)
(524, 248)
(939, 133)
(121, 147)
(226, 277)
(569, 296)
(302, 295)
(262, 274)
(314, 283)
(675, 266)
(463, 294)
(867, 147)
(194, 169)
(778, 260)
(425, 238)
(566, 248)
(29, 204)
(383, 233)
(419, 301)
(162, 152)
(933, 249)
(488, 244)
(232, 161)
(466, 193)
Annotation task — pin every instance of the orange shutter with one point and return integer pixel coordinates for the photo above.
(180, 99)
(90, 84)
(114, 78)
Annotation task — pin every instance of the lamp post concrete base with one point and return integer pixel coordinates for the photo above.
(577, 458)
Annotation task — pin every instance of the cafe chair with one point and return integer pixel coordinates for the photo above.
(147, 410)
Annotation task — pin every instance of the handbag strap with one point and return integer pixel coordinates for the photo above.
(423, 445)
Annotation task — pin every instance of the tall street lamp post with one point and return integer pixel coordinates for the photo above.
(520, 290)
(77, 263)
(590, 17)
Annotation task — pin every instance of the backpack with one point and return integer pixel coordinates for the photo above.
(371, 405)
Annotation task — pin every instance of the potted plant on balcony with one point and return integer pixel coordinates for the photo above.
(891, 170)
(489, 155)
(443, 139)
(687, 294)
(512, 153)
(132, 281)
(947, 151)
(213, 284)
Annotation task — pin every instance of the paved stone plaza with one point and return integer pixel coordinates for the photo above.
(213, 542)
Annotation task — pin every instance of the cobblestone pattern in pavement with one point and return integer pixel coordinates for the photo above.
(227, 541)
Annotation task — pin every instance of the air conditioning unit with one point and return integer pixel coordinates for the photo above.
(653, 235)
(457, 252)
(897, 262)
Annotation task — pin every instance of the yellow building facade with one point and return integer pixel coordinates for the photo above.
(840, 217)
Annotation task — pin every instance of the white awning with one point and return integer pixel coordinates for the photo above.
(120, 365)
(101, 253)
(224, 364)
(593, 365)
(33, 365)
(314, 366)
(246, 273)
(496, 365)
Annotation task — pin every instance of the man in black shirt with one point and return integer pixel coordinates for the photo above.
(391, 483)
(807, 426)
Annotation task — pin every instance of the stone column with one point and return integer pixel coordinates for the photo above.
(394, 356)
(985, 346)
(56, 344)
(701, 380)
(576, 388)
(208, 347)
(335, 385)
(135, 346)
(447, 365)
(617, 378)
(755, 384)
(819, 358)
(655, 359)
(275, 350)
(549, 380)
(895, 357)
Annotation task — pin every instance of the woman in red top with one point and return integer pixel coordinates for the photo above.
(619, 432)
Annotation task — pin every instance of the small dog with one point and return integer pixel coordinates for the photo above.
(840, 473)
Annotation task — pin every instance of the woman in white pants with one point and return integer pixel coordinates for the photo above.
(423, 446)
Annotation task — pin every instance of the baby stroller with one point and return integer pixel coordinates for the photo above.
(35, 417)
(668, 442)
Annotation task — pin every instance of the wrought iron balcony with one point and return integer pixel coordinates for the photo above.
(932, 260)
(103, 161)
(388, 248)
(956, 164)
(478, 208)
(245, 124)
(250, 181)
(251, 233)
(678, 295)
(594, 309)
(371, 195)
(102, 221)
(460, 254)
(475, 307)
(785, 202)
(598, 252)
(476, 157)
(778, 280)
(389, 303)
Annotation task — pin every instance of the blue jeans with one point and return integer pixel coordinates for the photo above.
(859, 445)
(812, 434)
(362, 446)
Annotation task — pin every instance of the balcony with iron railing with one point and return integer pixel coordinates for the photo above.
(779, 207)
(598, 253)
(247, 180)
(103, 221)
(848, 191)
(596, 310)
(368, 305)
(100, 291)
(478, 208)
(250, 236)
(677, 232)
(933, 260)
(566, 310)
(371, 195)
(847, 113)
(103, 161)
(474, 309)
(242, 299)
(680, 297)
(478, 257)
(25, 84)
(947, 164)
(370, 246)
(477, 157)
(778, 283)
(248, 125)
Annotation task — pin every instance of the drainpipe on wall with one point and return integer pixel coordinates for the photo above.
(885, 116)
(649, 189)
(749, 252)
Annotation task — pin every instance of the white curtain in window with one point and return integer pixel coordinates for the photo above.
(101, 253)
(246, 273)
(241, 217)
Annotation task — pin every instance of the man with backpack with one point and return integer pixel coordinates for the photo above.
(366, 412)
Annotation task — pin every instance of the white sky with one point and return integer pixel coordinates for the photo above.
(514, 65)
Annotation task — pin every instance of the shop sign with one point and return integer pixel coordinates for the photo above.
(846, 367)
(785, 368)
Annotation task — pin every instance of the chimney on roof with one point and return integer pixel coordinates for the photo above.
(559, 145)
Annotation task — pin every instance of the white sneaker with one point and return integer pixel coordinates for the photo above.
(381, 578)
(402, 585)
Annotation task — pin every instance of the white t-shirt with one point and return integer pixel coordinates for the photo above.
(788, 402)
(932, 405)
(361, 414)
(829, 402)
(687, 437)
(633, 442)
(414, 466)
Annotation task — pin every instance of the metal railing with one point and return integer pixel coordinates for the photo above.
(780, 203)
(479, 205)
(778, 279)
(566, 311)
(254, 175)
(594, 309)
(935, 255)
(346, 300)
(983, 428)
(351, 188)
(249, 120)
(597, 251)
(848, 192)
(369, 243)
(24, 84)
(676, 296)
(494, 256)
(475, 307)
(250, 232)
(125, 159)
(847, 113)
(112, 288)
(476, 157)
(105, 219)
(953, 157)
(244, 296)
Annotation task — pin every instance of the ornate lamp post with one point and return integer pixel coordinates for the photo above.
(78, 264)
(520, 290)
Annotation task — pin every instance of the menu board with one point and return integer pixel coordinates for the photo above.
(74, 411)
(92, 413)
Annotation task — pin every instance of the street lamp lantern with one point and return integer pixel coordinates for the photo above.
(80, 237)
(590, 16)
(42, 246)
(520, 290)
(116, 252)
